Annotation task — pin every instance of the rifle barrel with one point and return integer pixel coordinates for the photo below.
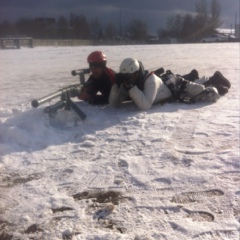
(38, 102)
(71, 90)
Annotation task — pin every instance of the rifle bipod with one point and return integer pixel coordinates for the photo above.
(67, 104)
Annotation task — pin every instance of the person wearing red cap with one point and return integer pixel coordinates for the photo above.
(100, 80)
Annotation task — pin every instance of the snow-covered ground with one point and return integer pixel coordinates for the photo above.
(172, 172)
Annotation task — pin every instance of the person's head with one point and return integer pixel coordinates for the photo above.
(130, 66)
(97, 63)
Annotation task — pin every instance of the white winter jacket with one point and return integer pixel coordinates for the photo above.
(154, 91)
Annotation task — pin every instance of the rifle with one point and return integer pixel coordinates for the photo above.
(65, 95)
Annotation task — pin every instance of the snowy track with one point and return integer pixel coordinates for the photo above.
(170, 173)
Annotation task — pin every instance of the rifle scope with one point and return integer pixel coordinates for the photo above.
(80, 71)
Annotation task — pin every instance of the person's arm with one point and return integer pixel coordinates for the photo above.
(98, 99)
(102, 90)
(117, 95)
(144, 99)
(83, 95)
(87, 90)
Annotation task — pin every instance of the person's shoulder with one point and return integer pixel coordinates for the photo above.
(111, 74)
(152, 77)
(152, 81)
(110, 70)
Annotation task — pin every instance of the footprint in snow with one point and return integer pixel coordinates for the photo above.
(123, 164)
(88, 144)
(163, 180)
(189, 197)
(238, 193)
(199, 216)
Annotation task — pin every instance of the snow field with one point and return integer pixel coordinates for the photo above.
(169, 173)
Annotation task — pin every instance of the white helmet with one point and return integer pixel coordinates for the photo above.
(129, 65)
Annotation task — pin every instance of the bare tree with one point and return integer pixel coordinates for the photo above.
(7, 28)
(80, 26)
(202, 10)
(192, 28)
(62, 22)
(95, 27)
(138, 29)
(201, 19)
(63, 27)
(215, 9)
(110, 31)
(25, 26)
(187, 30)
(174, 24)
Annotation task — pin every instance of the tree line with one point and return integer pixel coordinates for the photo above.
(188, 27)
(202, 22)
(74, 27)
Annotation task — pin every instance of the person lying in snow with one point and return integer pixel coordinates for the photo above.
(100, 80)
(146, 88)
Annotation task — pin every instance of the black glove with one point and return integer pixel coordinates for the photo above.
(124, 79)
(128, 81)
(119, 79)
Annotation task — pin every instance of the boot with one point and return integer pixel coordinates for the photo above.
(221, 89)
(193, 75)
(218, 79)
(159, 72)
